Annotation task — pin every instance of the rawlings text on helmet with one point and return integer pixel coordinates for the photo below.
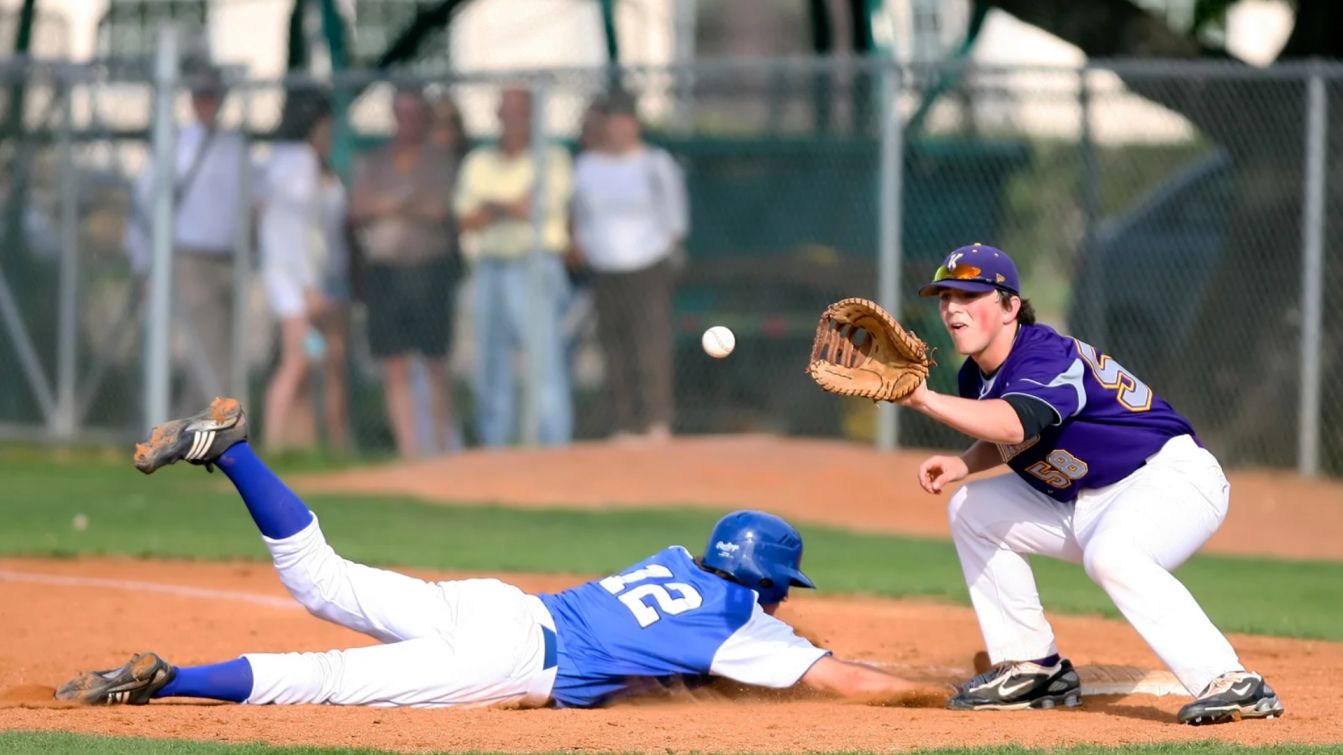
(759, 550)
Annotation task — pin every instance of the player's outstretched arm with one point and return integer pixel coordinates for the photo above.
(993, 420)
(855, 681)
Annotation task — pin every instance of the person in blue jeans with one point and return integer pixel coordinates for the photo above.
(520, 286)
(671, 619)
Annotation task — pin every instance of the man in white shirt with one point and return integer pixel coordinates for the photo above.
(630, 217)
(208, 189)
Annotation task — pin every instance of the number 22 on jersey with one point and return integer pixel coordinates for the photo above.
(634, 598)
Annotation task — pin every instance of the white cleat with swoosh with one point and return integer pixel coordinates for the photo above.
(1015, 685)
(1231, 697)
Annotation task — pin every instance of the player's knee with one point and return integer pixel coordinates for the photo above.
(1109, 560)
(307, 595)
(314, 580)
(965, 510)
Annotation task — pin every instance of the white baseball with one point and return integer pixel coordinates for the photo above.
(718, 341)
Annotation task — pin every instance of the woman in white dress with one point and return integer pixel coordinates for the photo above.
(305, 268)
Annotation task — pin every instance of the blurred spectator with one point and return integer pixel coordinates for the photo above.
(591, 134)
(494, 203)
(209, 195)
(579, 323)
(401, 207)
(449, 131)
(592, 129)
(305, 267)
(630, 218)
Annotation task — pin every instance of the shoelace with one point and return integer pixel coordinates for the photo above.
(1223, 683)
(995, 671)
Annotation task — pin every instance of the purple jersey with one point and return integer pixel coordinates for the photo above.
(1108, 422)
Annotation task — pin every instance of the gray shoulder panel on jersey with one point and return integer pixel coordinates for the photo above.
(1071, 377)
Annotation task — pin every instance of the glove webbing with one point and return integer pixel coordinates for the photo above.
(839, 344)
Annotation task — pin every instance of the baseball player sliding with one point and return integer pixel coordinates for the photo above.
(1107, 475)
(671, 617)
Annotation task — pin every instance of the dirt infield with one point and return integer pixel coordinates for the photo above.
(62, 616)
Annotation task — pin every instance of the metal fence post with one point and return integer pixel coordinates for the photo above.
(242, 259)
(157, 362)
(1312, 277)
(63, 419)
(1097, 329)
(533, 378)
(889, 226)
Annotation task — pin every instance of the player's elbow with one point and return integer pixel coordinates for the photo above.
(1014, 433)
(1010, 429)
(1005, 434)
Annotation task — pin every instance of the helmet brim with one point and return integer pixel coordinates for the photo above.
(797, 579)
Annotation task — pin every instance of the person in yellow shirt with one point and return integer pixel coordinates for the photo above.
(495, 193)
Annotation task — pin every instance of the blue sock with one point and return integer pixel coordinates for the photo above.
(1047, 661)
(231, 680)
(278, 513)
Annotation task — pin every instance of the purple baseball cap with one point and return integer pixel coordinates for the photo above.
(978, 268)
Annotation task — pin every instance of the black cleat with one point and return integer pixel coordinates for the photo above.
(1015, 685)
(132, 684)
(199, 439)
(1231, 697)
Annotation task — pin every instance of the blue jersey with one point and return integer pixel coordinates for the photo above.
(1107, 421)
(666, 619)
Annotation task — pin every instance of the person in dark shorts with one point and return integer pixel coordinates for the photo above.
(401, 208)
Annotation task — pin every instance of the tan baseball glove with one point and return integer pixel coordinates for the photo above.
(860, 350)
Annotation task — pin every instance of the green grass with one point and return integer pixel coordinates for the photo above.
(60, 743)
(182, 513)
(51, 743)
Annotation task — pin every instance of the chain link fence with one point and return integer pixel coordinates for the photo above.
(1165, 214)
(72, 136)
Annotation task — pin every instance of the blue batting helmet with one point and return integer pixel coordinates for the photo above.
(758, 550)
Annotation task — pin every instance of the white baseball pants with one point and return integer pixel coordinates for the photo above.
(471, 642)
(1128, 536)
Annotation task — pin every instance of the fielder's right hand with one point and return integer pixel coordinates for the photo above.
(936, 472)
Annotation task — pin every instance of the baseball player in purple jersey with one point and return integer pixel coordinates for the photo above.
(671, 618)
(1105, 474)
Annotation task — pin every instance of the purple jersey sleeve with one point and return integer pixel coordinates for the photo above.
(1051, 377)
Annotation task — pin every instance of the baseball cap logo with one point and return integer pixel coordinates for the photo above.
(975, 268)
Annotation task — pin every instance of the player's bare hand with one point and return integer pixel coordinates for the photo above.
(917, 398)
(936, 472)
